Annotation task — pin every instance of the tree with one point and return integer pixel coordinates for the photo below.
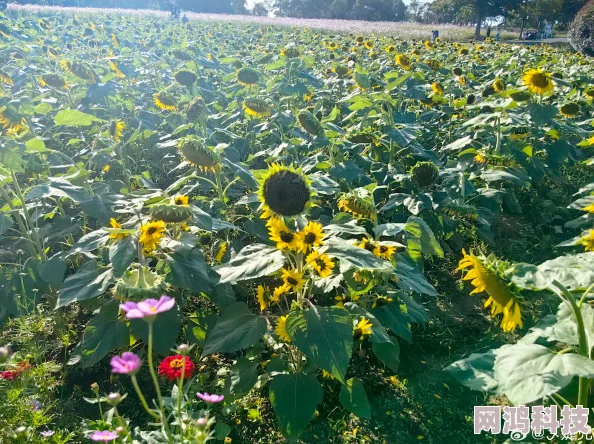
(260, 10)
(417, 11)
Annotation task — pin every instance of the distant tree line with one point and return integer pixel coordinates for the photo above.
(514, 13)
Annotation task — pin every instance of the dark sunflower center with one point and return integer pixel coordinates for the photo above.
(321, 264)
(383, 249)
(309, 238)
(357, 334)
(286, 193)
(176, 364)
(369, 246)
(292, 281)
(540, 80)
(151, 230)
(570, 109)
(287, 237)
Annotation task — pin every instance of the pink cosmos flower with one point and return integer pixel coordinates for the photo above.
(127, 364)
(211, 399)
(147, 309)
(47, 433)
(103, 436)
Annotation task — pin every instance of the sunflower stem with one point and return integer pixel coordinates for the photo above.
(564, 294)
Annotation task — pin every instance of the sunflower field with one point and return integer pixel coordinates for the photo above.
(233, 233)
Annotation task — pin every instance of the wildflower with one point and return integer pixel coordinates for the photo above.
(35, 405)
(151, 234)
(165, 102)
(285, 238)
(210, 399)
(116, 236)
(321, 263)
(116, 130)
(103, 436)
(127, 364)
(588, 241)
(47, 433)
(292, 278)
(311, 236)
(538, 81)
(148, 308)
(171, 367)
(362, 329)
(221, 252)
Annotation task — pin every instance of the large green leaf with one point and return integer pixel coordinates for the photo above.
(223, 295)
(294, 399)
(52, 271)
(354, 257)
(243, 376)
(420, 237)
(476, 371)
(388, 353)
(123, 253)
(73, 117)
(90, 242)
(395, 319)
(354, 399)
(378, 332)
(165, 330)
(410, 278)
(528, 372)
(541, 114)
(88, 282)
(252, 262)
(104, 333)
(189, 272)
(575, 272)
(236, 329)
(325, 335)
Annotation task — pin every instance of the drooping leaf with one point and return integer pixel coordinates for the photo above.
(354, 399)
(420, 237)
(73, 117)
(325, 335)
(189, 272)
(89, 281)
(236, 329)
(388, 353)
(395, 319)
(294, 399)
(123, 253)
(476, 371)
(253, 261)
(52, 271)
(243, 376)
(355, 257)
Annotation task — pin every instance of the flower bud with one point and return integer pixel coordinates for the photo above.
(114, 398)
(183, 349)
(201, 422)
(95, 387)
(21, 431)
(120, 430)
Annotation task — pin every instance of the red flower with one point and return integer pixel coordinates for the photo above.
(10, 375)
(171, 367)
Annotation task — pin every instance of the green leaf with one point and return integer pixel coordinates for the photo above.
(389, 229)
(420, 237)
(223, 295)
(355, 257)
(104, 333)
(222, 430)
(165, 330)
(36, 146)
(476, 371)
(253, 261)
(294, 399)
(243, 376)
(325, 335)
(236, 329)
(189, 272)
(388, 353)
(458, 144)
(528, 372)
(73, 117)
(123, 253)
(575, 272)
(410, 278)
(52, 271)
(89, 242)
(354, 399)
(401, 136)
(88, 282)
(378, 332)
(393, 318)
(5, 223)
(541, 114)
(43, 108)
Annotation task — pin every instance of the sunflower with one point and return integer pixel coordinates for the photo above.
(463, 51)
(429, 45)
(114, 67)
(569, 110)
(221, 252)
(470, 99)
(263, 297)
(165, 101)
(321, 263)
(386, 251)
(463, 80)
(403, 61)
(332, 46)
(248, 76)
(341, 71)
(538, 81)
(341, 300)
(310, 123)
(195, 110)
(284, 192)
(52, 80)
(308, 96)
(256, 107)
(589, 209)
(198, 154)
(362, 329)
(368, 245)
(499, 86)
(437, 88)
(380, 301)
(292, 278)
(80, 71)
(12, 122)
(390, 49)
(285, 239)
(457, 71)
(291, 52)
(521, 96)
(588, 92)
(433, 64)
(501, 299)
(181, 200)
(116, 236)
(279, 291)
(327, 375)
(588, 241)
(281, 329)
(311, 236)
(360, 40)
(369, 44)
(185, 77)
(116, 130)
(5, 79)
(151, 234)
